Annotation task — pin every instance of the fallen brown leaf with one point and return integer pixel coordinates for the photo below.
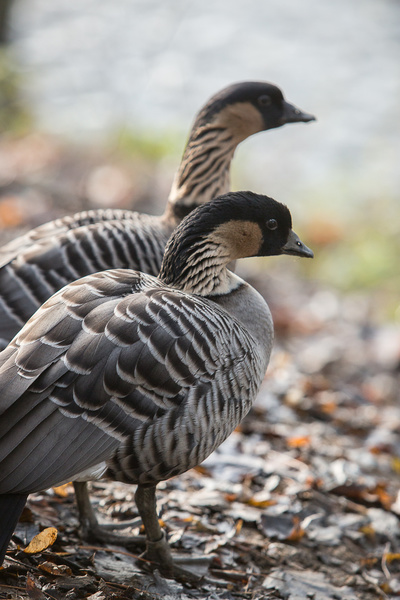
(42, 540)
(54, 569)
(33, 590)
(297, 532)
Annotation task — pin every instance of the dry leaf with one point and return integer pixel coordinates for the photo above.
(239, 526)
(53, 569)
(298, 441)
(297, 532)
(367, 530)
(328, 407)
(202, 470)
(42, 540)
(63, 491)
(260, 503)
(391, 556)
(384, 498)
(34, 592)
(230, 497)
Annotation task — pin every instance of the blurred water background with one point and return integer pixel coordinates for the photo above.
(95, 71)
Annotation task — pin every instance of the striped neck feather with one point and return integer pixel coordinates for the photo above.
(204, 170)
(197, 268)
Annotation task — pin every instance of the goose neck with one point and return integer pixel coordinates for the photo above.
(204, 170)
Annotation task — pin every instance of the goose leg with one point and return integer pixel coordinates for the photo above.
(92, 530)
(157, 548)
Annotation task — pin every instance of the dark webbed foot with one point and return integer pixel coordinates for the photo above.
(159, 552)
(92, 530)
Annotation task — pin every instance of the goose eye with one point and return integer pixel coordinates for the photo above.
(264, 100)
(272, 224)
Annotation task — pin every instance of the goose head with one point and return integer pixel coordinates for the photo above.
(248, 107)
(232, 226)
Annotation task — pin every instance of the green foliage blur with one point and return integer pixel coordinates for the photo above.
(146, 146)
(14, 115)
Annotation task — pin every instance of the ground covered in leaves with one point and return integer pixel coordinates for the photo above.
(302, 501)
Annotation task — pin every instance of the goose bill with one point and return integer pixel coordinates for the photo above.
(292, 114)
(295, 246)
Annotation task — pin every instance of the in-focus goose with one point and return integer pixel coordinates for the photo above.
(140, 378)
(39, 263)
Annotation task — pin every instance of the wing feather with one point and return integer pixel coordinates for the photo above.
(117, 367)
(37, 265)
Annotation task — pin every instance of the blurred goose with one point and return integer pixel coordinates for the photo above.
(39, 263)
(124, 375)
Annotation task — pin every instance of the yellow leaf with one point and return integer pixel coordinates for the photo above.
(299, 441)
(239, 526)
(391, 556)
(188, 519)
(62, 491)
(42, 540)
(396, 464)
(367, 530)
(260, 503)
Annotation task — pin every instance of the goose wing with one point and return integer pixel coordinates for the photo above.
(53, 261)
(58, 227)
(109, 360)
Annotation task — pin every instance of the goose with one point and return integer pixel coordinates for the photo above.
(139, 378)
(37, 264)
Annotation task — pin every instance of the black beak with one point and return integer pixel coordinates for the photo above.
(296, 247)
(292, 114)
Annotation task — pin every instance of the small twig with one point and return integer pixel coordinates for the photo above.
(22, 564)
(385, 569)
(373, 583)
(232, 575)
(11, 587)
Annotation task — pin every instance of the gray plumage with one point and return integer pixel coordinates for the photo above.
(136, 377)
(39, 263)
